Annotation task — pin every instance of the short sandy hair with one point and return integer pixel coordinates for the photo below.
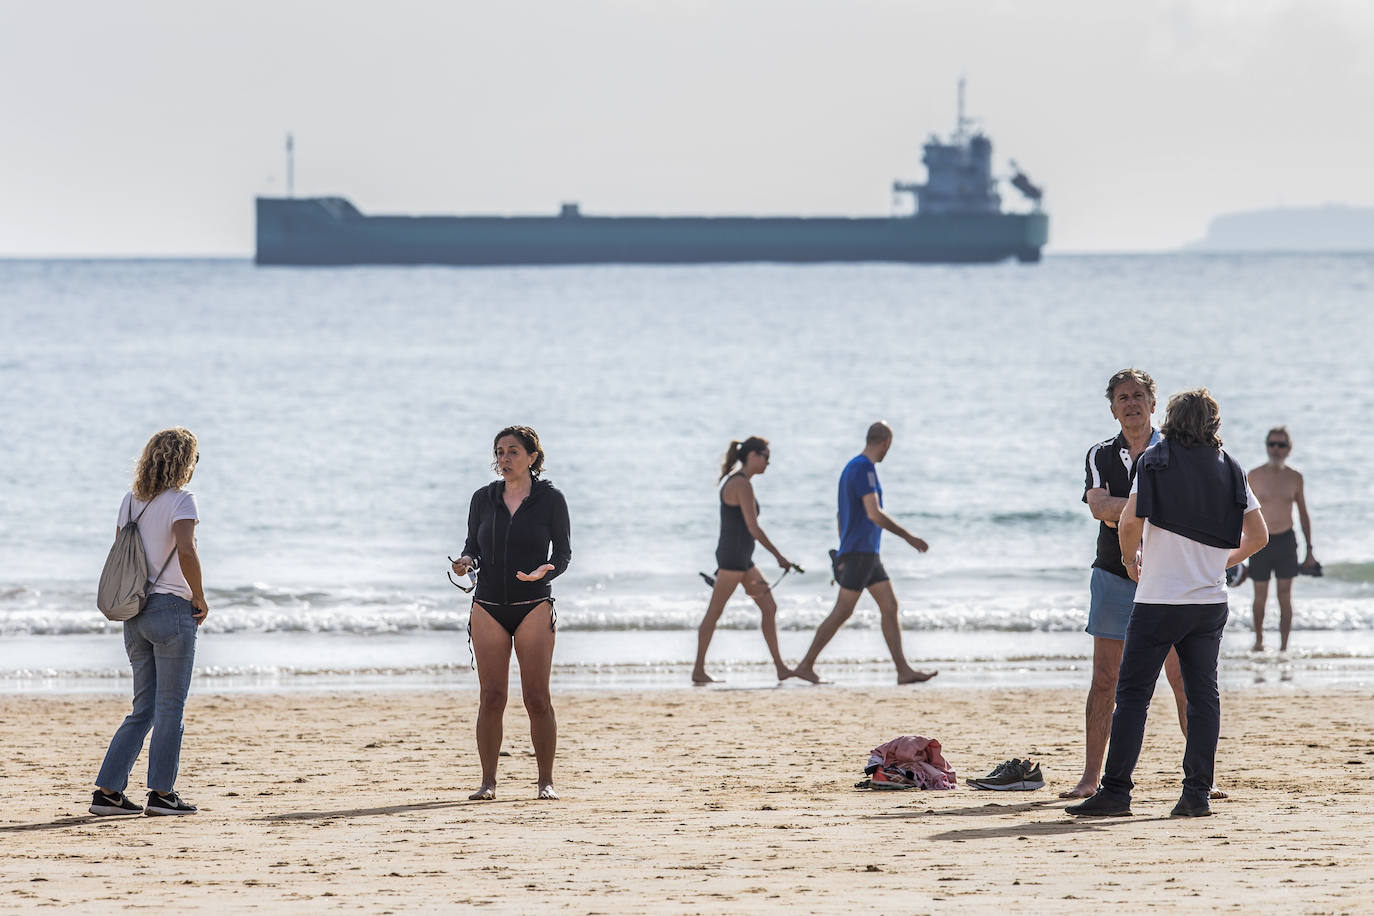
(1192, 419)
(166, 463)
(1283, 430)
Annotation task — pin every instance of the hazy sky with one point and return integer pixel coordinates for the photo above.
(147, 126)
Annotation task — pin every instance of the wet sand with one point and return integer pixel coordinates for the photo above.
(710, 800)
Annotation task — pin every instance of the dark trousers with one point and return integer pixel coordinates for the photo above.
(1195, 631)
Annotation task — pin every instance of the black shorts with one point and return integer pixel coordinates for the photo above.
(735, 560)
(858, 571)
(1279, 557)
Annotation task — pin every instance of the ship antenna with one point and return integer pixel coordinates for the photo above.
(290, 165)
(959, 131)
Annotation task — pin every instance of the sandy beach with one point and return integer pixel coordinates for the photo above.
(713, 800)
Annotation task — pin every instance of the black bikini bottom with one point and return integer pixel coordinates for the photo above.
(510, 616)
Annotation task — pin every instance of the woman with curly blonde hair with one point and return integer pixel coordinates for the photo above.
(161, 639)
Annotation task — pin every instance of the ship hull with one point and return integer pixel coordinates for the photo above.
(331, 231)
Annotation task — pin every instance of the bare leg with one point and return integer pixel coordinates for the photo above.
(491, 646)
(892, 634)
(844, 608)
(1285, 594)
(534, 640)
(1098, 714)
(1175, 677)
(726, 581)
(756, 587)
(1257, 611)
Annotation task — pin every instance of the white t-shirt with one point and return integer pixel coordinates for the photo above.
(1179, 570)
(155, 530)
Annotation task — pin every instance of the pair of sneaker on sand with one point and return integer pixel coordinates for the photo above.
(1014, 775)
(104, 804)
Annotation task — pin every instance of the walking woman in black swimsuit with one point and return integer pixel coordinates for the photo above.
(739, 529)
(518, 542)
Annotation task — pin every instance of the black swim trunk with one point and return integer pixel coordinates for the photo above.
(858, 571)
(1279, 557)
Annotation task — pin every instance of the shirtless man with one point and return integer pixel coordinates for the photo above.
(1278, 488)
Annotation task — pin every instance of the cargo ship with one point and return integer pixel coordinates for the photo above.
(957, 217)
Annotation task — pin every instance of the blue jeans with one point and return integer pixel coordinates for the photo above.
(1195, 631)
(161, 642)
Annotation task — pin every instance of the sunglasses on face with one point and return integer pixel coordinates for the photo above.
(1274, 444)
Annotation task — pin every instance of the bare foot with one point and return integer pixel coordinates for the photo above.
(1084, 789)
(806, 674)
(784, 673)
(1217, 793)
(915, 677)
(486, 793)
(547, 793)
(1257, 647)
(701, 677)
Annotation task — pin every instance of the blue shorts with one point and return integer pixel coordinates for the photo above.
(1110, 610)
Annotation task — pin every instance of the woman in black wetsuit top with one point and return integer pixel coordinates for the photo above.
(518, 541)
(739, 529)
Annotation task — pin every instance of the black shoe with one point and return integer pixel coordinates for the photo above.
(1191, 807)
(1100, 805)
(168, 804)
(103, 804)
(1015, 775)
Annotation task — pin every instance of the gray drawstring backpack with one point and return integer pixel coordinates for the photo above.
(124, 581)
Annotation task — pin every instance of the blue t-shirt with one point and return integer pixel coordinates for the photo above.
(858, 534)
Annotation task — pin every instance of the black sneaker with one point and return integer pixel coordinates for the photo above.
(168, 804)
(1015, 775)
(1100, 805)
(1191, 807)
(104, 805)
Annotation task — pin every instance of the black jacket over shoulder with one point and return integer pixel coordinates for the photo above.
(1198, 493)
(504, 544)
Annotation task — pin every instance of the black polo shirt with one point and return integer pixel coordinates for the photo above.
(1109, 465)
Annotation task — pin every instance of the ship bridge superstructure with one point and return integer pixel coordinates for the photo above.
(959, 174)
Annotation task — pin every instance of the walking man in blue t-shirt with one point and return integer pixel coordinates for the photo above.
(857, 566)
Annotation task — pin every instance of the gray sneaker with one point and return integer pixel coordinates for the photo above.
(106, 805)
(168, 804)
(1015, 775)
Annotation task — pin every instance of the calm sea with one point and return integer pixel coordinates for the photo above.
(345, 417)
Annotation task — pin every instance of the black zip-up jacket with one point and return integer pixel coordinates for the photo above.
(504, 544)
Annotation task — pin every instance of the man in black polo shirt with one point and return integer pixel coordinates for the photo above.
(1110, 469)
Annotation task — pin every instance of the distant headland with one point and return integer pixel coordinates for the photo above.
(1332, 227)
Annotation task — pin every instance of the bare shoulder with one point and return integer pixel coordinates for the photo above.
(736, 490)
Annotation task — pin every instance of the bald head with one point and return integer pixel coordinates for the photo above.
(879, 441)
(879, 433)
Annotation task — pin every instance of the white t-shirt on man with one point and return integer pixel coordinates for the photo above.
(155, 530)
(1179, 570)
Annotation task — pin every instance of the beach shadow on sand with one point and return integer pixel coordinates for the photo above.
(1016, 829)
(60, 824)
(369, 812)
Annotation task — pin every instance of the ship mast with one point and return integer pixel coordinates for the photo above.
(291, 162)
(960, 130)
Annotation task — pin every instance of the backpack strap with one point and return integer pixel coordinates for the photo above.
(165, 565)
(140, 511)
